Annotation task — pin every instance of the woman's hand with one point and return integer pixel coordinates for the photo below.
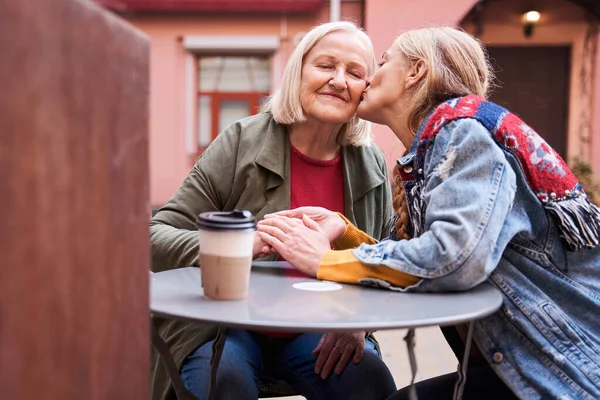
(336, 350)
(260, 247)
(329, 221)
(301, 242)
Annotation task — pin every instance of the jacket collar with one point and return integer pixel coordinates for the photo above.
(274, 153)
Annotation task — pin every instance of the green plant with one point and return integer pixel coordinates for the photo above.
(585, 175)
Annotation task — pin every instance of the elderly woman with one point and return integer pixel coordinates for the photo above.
(480, 197)
(308, 147)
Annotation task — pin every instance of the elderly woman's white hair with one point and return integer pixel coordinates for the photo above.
(285, 103)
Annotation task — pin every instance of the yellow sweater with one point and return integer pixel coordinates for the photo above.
(340, 265)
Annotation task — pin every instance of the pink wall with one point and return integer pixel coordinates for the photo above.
(169, 161)
(383, 19)
(386, 19)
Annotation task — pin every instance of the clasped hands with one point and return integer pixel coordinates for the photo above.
(302, 236)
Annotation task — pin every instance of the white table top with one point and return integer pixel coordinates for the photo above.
(273, 303)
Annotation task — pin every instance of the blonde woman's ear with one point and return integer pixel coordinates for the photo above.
(416, 73)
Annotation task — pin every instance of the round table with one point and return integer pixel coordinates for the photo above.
(275, 303)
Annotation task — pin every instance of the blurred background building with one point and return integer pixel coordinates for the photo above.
(214, 61)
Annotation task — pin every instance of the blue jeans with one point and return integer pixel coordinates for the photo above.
(248, 356)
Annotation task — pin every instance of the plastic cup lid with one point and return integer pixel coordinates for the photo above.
(219, 220)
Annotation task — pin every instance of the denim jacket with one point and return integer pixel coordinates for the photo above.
(476, 217)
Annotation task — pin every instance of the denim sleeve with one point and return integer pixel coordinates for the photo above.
(469, 188)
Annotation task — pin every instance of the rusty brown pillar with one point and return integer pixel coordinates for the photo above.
(74, 210)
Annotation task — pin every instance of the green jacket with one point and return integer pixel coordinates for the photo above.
(248, 167)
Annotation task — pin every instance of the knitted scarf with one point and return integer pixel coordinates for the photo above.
(545, 171)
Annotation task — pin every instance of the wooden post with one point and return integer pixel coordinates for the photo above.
(74, 207)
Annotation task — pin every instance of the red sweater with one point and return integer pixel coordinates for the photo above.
(314, 183)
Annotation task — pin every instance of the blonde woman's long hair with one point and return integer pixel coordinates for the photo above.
(457, 65)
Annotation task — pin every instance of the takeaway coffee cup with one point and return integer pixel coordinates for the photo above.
(226, 242)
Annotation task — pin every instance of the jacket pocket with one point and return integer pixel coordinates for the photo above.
(570, 341)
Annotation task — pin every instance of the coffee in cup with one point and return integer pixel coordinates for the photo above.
(226, 245)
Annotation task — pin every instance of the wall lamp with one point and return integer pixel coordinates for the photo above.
(530, 18)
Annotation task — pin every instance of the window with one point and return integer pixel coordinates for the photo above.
(229, 88)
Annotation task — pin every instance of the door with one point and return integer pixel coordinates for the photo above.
(534, 84)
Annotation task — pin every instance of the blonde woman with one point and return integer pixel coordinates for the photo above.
(308, 147)
(480, 197)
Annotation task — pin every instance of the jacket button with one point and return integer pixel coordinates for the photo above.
(498, 357)
(408, 169)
